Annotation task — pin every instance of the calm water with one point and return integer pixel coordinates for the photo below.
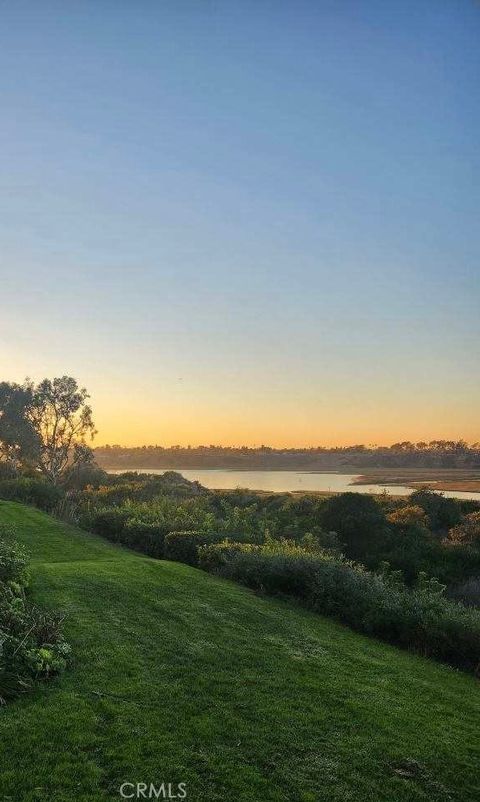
(283, 481)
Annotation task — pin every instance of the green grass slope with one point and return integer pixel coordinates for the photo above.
(182, 677)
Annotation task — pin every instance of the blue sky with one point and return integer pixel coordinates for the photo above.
(245, 221)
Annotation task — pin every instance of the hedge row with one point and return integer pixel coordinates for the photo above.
(37, 492)
(420, 619)
(156, 539)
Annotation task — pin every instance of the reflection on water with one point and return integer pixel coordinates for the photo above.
(284, 481)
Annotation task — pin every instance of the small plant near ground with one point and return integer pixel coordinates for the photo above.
(31, 641)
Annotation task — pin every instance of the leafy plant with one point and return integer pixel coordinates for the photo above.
(184, 546)
(38, 492)
(31, 640)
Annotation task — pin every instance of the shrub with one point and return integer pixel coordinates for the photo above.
(70, 508)
(183, 546)
(321, 541)
(31, 640)
(358, 520)
(420, 620)
(83, 474)
(108, 522)
(40, 493)
(126, 525)
(213, 556)
(412, 550)
(467, 592)
(413, 515)
(457, 563)
(7, 470)
(114, 489)
(145, 536)
(13, 559)
(443, 513)
(32, 644)
(467, 532)
(110, 495)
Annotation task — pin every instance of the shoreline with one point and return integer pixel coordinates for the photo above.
(450, 480)
(441, 479)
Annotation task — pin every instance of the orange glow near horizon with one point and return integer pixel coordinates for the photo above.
(198, 427)
(281, 407)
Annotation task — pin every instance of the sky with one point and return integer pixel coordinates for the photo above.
(245, 222)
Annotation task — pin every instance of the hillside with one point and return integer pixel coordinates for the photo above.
(182, 677)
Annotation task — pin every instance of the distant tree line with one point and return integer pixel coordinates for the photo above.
(434, 454)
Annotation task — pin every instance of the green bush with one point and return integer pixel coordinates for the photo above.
(132, 486)
(38, 492)
(110, 495)
(358, 520)
(145, 536)
(137, 526)
(31, 641)
(442, 512)
(467, 592)
(420, 619)
(83, 474)
(184, 547)
(13, 559)
(414, 549)
(7, 471)
(109, 522)
(467, 532)
(214, 556)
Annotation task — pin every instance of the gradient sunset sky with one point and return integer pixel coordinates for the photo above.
(245, 222)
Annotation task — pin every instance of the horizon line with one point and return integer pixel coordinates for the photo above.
(265, 446)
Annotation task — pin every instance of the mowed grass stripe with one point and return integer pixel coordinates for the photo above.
(50, 540)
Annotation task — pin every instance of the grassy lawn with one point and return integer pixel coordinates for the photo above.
(182, 677)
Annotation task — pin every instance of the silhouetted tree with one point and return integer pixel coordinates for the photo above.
(19, 440)
(62, 420)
